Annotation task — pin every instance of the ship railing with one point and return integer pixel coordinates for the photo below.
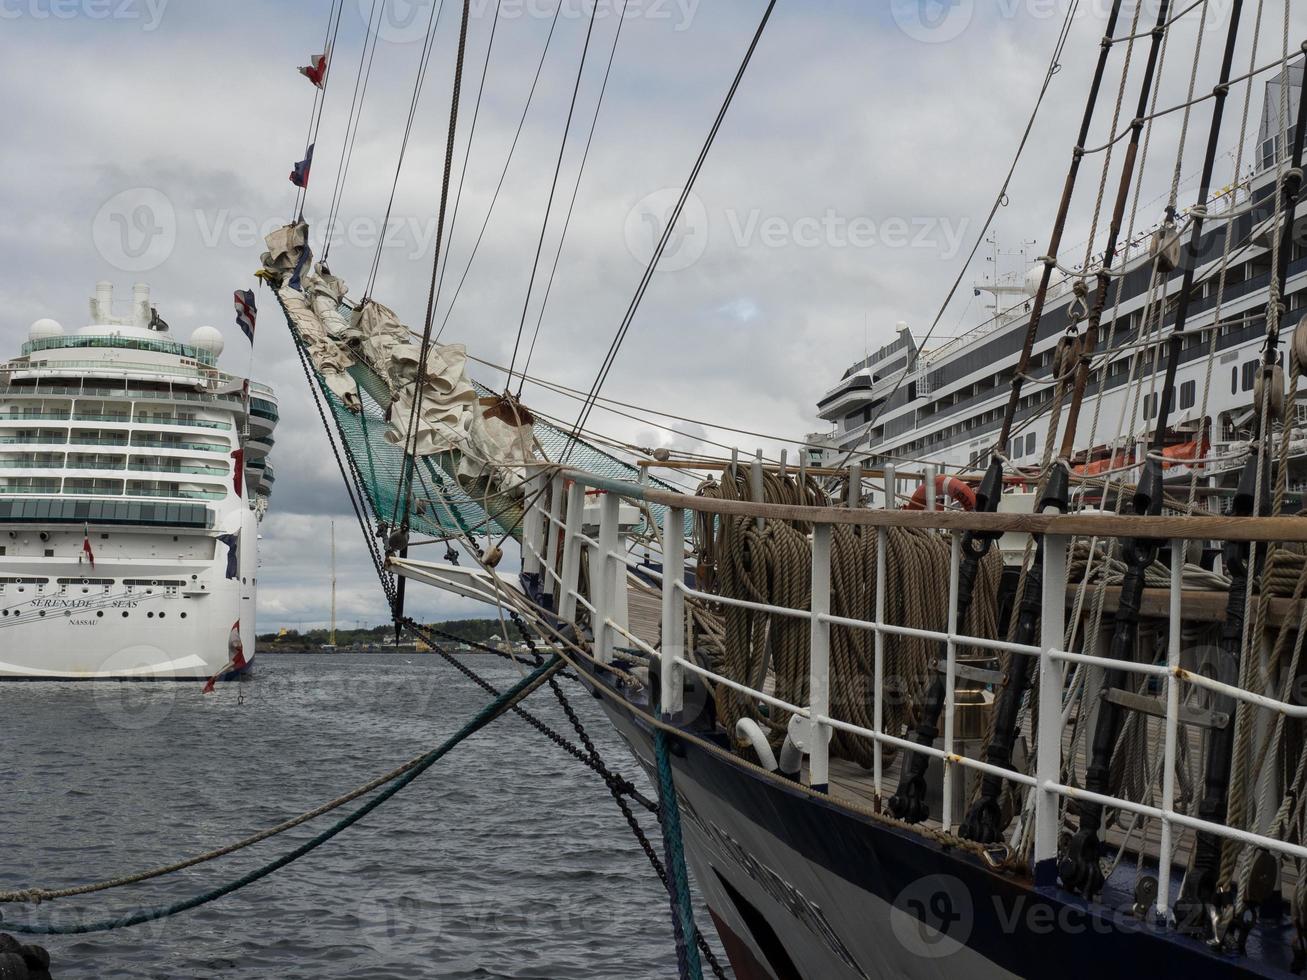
(554, 534)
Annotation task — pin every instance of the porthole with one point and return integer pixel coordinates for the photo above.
(100, 614)
(149, 615)
(162, 614)
(43, 614)
(183, 615)
(124, 614)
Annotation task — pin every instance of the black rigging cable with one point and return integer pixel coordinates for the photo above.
(611, 356)
(553, 186)
(410, 439)
(320, 93)
(361, 79)
(567, 222)
(503, 173)
(467, 153)
(424, 61)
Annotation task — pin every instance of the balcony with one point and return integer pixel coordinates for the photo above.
(88, 439)
(169, 466)
(48, 487)
(174, 420)
(96, 488)
(199, 447)
(175, 494)
(34, 417)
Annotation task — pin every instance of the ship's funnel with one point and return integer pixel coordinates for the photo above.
(141, 305)
(102, 302)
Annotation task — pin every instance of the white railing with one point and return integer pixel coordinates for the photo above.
(554, 537)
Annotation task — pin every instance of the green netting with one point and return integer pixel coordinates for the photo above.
(442, 507)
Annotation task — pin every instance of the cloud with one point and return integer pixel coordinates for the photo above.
(846, 111)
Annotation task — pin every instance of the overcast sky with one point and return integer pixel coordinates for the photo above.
(851, 178)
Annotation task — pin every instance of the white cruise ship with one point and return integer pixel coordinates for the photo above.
(945, 405)
(128, 532)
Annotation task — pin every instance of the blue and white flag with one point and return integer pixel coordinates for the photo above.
(233, 543)
(246, 312)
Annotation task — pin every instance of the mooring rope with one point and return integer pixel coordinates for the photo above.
(669, 812)
(489, 713)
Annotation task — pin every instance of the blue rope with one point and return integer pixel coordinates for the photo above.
(487, 714)
(669, 812)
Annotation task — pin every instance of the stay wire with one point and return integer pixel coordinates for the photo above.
(1000, 201)
(553, 186)
(625, 326)
(424, 62)
(502, 175)
(361, 79)
(467, 154)
(320, 95)
(567, 223)
(415, 413)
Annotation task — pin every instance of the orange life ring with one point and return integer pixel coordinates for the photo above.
(959, 491)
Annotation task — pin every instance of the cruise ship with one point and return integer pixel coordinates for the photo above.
(128, 524)
(945, 404)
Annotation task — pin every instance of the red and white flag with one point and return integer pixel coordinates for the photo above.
(316, 70)
(86, 544)
(236, 657)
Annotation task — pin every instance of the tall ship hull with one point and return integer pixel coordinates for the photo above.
(133, 476)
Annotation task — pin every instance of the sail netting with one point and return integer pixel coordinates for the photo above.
(442, 506)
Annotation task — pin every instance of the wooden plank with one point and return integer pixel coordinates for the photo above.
(1203, 528)
(1199, 605)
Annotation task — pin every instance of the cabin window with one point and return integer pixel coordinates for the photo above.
(1234, 381)
(1188, 394)
(1150, 406)
(1030, 443)
(1249, 375)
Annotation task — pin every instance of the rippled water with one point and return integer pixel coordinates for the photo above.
(506, 859)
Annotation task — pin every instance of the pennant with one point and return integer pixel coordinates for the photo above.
(86, 544)
(233, 543)
(246, 312)
(238, 471)
(299, 175)
(316, 70)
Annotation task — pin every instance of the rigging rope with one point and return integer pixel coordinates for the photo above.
(567, 222)
(488, 714)
(553, 185)
(668, 229)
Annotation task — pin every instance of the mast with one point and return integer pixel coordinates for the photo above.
(984, 818)
(333, 583)
(1078, 864)
(1200, 891)
(909, 801)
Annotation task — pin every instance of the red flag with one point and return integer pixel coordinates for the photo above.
(236, 652)
(238, 470)
(235, 647)
(86, 544)
(316, 70)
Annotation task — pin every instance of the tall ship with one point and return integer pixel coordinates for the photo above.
(944, 404)
(133, 477)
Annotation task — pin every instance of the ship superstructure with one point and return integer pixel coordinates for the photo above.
(945, 404)
(133, 476)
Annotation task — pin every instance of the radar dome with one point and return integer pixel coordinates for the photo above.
(208, 339)
(45, 329)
